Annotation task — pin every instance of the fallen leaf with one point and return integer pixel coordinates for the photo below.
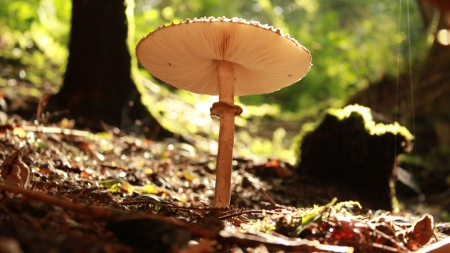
(14, 170)
(420, 232)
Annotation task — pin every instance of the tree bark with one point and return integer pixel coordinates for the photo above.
(98, 87)
(97, 83)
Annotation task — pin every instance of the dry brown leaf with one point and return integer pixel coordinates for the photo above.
(420, 232)
(14, 170)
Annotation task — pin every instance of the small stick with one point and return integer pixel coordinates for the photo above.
(226, 216)
(93, 211)
(56, 130)
(272, 202)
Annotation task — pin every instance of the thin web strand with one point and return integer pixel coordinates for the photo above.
(412, 88)
(398, 73)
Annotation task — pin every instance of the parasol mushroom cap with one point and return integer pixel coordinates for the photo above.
(186, 55)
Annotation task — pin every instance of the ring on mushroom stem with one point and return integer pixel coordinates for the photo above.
(225, 57)
(219, 106)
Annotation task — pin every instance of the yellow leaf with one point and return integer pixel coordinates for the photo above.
(150, 189)
(189, 176)
(18, 131)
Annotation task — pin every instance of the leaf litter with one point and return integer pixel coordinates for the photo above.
(67, 190)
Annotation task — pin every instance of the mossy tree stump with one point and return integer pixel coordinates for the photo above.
(349, 149)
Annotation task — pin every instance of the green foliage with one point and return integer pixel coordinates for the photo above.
(33, 41)
(313, 215)
(352, 43)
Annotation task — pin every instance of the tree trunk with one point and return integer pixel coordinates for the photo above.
(97, 83)
(98, 87)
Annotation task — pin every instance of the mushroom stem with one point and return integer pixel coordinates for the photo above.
(226, 81)
(226, 135)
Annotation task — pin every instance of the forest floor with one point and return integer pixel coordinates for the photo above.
(68, 190)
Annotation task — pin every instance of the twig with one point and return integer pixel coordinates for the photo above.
(272, 202)
(56, 130)
(224, 217)
(93, 211)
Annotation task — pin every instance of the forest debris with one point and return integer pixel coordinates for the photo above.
(150, 235)
(14, 170)
(91, 210)
(130, 227)
(274, 243)
(273, 168)
(203, 246)
(442, 246)
(9, 245)
(133, 227)
(420, 232)
(271, 201)
(154, 184)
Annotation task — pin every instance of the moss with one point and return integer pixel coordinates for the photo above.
(369, 123)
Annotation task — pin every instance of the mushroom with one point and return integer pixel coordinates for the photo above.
(225, 57)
